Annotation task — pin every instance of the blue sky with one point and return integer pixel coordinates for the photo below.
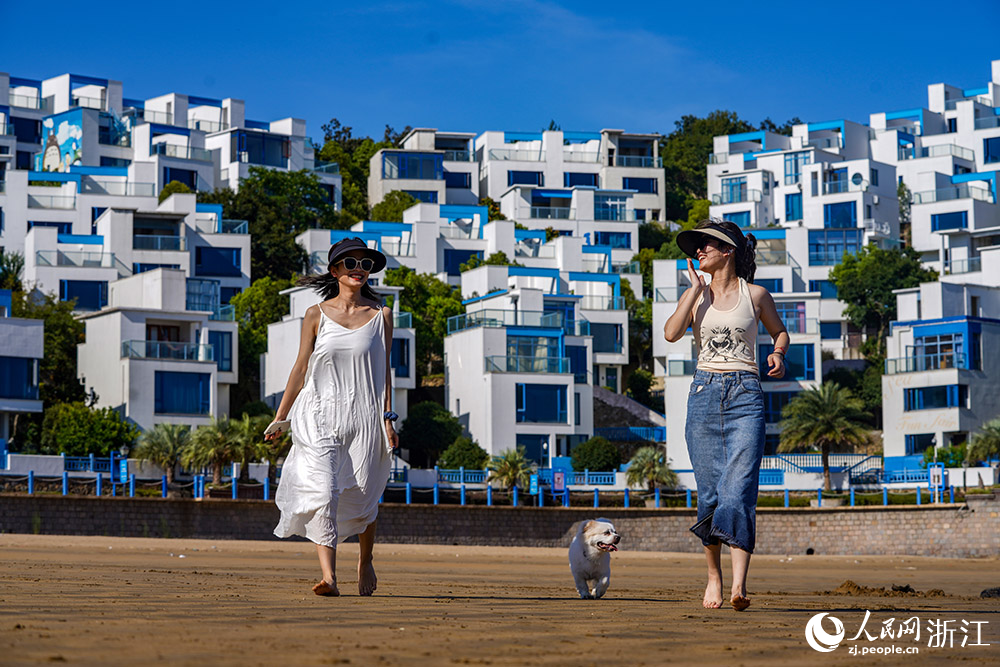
(474, 65)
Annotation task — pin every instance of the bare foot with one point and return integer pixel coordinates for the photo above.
(713, 594)
(367, 581)
(326, 589)
(740, 602)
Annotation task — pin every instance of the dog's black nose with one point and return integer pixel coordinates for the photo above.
(618, 538)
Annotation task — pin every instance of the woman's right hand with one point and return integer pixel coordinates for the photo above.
(697, 280)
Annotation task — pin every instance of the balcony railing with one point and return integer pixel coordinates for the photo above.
(926, 362)
(150, 116)
(106, 138)
(62, 202)
(772, 257)
(118, 188)
(551, 212)
(504, 318)
(591, 302)
(984, 123)
(88, 102)
(718, 158)
(942, 150)
(794, 325)
(581, 156)
(26, 102)
(226, 313)
(182, 152)
(842, 186)
(735, 196)
(970, 265)
(953, 192)
(677, 367)
(668, 294)
(3, 186)
(630, 267)
(208, 126)
(403, 320)
(399, 247)
(321, 167)
(81, 259)
(523, 155)
(518, 364)
(534, 250)
(643, 161)
(825, 142)
(614, 214)
(158, 242)
(457, 156)
(223, 226)
(153, 349)
(455, 232)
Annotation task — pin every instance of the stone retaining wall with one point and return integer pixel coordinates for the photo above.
(927, 530)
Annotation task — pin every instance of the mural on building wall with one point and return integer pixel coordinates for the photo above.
(62, 136)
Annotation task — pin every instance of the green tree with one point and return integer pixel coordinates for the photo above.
(163, 445)
(212, 446)
(639, 383)
(433, 301)
(905, 221)
(510, 469)
(278, 205)
(653, 235)
(595, 454)
(827, 417)
(76, 430)
(986, 442)
(464, 453)
(57, 381)
(248, 442)
(646, 256)
(254, 308)
(391, 208)
(493, 212)
(649, 468)
(785, 128)
(11, 270)
(173, 187)
(640, 328)
(499, 258)
(697, 213)
(427, 428)
(866, 281)
(951, 457)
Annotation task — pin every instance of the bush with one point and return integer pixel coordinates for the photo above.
(171, 188)
(464, 453)
(427, 428)
(639, 383)
(951, 457)
(596, 454)
(76, 430)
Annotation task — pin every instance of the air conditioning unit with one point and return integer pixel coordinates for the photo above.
(875, 200)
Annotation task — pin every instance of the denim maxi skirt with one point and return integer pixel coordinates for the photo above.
(725, 440)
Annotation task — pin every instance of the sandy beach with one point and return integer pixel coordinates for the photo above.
(117, 601)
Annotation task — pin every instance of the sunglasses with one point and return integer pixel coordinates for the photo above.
(366, 264)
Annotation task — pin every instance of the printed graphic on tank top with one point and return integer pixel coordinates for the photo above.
(726, 339)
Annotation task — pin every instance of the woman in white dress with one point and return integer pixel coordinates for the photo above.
(338, 399)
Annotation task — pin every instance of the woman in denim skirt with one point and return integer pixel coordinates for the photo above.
(725, 418)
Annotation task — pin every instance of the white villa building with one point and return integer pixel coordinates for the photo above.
(20, 353)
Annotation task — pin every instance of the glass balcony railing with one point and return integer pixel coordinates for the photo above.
(676, 367)
(403, 320)
(455, 232)
(718, 158)
(505, 318)
(927, 362)
(629, 267)
(26, 102)
(840, 187)
(513, 364)
(88, 102)
(825, 142)
(158, 242)
(140, 116)
(942, 150)
(534, 250)
(208, 126)
(984, 123)
(62, 202)
(457, 156)
(182, 152)
(876, 227)
(154, 349)
(398, 247)
(321, 167)
(520, 154)
(953, 192)
(117, 188)
(794, 325)
(581, 156)
(970, 265)
(642, 161)
(82, 259)
(668, 294)
(591, 302)
(736, 196)
(551, 212)
(772, 257)
(227, 226)
(226, 313)
(615, 214)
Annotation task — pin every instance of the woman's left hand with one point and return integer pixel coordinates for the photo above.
(390, 431)
(776, 364)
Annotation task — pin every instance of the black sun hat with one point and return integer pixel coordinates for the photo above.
(344, 246)
(690, 240)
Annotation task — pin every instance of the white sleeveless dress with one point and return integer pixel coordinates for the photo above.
(340, 458)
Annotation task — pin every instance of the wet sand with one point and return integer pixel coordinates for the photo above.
(118, 601)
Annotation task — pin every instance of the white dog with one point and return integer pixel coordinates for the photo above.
(590, 557)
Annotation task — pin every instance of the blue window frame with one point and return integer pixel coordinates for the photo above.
(734, 190)
(799, 362)
(222, 342)
(836, 181)
(607, 337)
(873, 176)
(613, 239)
(738, 218)
(261, 148)
(457, 179)
(114, 161)
(19, 378)
(772, 285)
(642, 185)
(425, 196)
(577, 355)
(827, 288)
(536, 447)
(572, 179)
(827, 246)
(178, 393)
(577, 417)
(538, 347)
(954, 220)
(89, 294)
(932, 398)
(991, 149)
(188, 177)
(218, 262)
(829, 330)
(938, 351)
(842, 215)
(416, 166)
(774, 403)
(610, 207)
(63, 227)
(399, 357)
(142, 267)
(917, 443)
(793, 206)
(453, 259)
(525, 178)
(540, 403)
(793, 166)
(793, 315)
(96, 212)
(226, 294)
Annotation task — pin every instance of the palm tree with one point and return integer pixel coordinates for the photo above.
(986, 442)
(248, 443)
(211, 445)
(163, 446)
(648, 467)
(510, 469)
(828, 417)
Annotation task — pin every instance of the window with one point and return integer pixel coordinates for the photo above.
(734, 190)
(536, 447)
(425, 196)
(222, 343)
(767, 182)
(27, 130)
(115, 161)
(535, 347)
(226, 294)
(89, 294)
(576, 408)
(96, 212)
(991, 149)
(774, 403)
(525, 178)
(738, 218)
(607, 337)
(799, 362)
(19, 378)
(842, 215)
(829, 330)
(873, 176)
(23, 160)
(955, 220)
(176, 393)
(772, 285)
(642, 185)
(827, 288)
(260, 148)
(793, 206)
(793, 166)
(931, 398)
(939, 351)
(188, 177)
(613, 239)
(577, 364)
(976, 352)
(222, 262)
(540, 403)
(454, 258)
(417, 166)
(793, 315)
(952, 125)
(640, 214)
(611, 378)
(609, 207)
(827, 247)
(917, 443)
(836, 181)
(399, 357)
(63, 227)
(148, 266)
(457, 179)
(573, 179)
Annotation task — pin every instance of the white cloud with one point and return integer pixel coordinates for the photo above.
(67, 132)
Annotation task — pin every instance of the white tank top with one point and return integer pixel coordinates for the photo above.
(726, 340)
